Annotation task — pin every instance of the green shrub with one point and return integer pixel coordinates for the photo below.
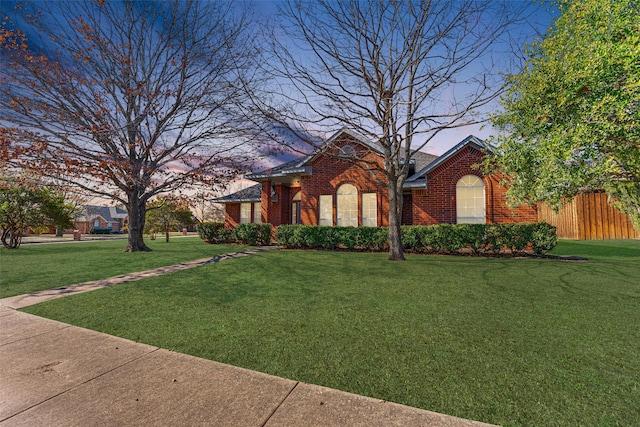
(253, 234)
(493, 240)
(284, 234)
(438, 238)
(214, 232)
(372, 238)
(543, 237)
(100, 231)
(473, 235)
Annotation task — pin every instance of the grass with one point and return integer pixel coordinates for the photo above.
(36, 267)
(505, 341)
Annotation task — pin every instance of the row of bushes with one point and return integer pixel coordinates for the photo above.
(246, 234)
(441, 238)
(100, 231)
(539, 237)
(321, 237)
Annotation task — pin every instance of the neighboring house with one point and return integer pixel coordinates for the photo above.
(325, 189)
(104, 217)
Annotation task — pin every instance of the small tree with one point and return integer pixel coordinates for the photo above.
(22, 208)
(166, 215)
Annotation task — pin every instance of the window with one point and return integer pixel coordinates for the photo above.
(470, 205)
(347, 206)
(245, 213)
(326, 210)
(295, 208)
(96, 223)
(369, 210)
(257, 212)
(347, 151)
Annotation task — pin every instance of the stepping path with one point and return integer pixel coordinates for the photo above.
(21, 301)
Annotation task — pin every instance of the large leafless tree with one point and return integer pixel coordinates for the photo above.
(397, 72)
(127, 100)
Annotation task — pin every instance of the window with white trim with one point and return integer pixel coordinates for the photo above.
(257, 212)
(326, 210)
(295, 208)
(369, 210)
(347, 206)
(245, 213)
(470, 200)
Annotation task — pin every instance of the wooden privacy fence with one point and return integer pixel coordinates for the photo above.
(589, 216)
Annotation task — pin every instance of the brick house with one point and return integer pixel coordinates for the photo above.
(104, 217)
(329, 188)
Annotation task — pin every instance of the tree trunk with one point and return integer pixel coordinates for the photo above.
(166, 234)
(396, 251)
(137, 210)
(14, 236)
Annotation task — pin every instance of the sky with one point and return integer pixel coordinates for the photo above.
(539, 22)
(267, 9)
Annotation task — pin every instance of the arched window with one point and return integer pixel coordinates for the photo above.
(347, 206)
(470, 204)
(347, 151)
(295, 208)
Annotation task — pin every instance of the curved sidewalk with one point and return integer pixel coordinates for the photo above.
(55, 374)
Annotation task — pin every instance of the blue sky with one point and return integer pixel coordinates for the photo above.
(539, 22)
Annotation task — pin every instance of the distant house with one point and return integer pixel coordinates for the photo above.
(328, 188)
(102, 217)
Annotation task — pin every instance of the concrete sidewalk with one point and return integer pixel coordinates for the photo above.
(54, 374)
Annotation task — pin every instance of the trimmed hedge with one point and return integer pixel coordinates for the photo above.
(100, 231)
(253, 234)
(214, 232)
(477, 239)
(246, 234)
(441, 238)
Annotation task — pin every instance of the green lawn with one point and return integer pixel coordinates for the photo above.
(529, 342)
(37, 267)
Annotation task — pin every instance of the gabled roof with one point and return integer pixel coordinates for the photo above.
(423, 159)
(108, 213)
(471, 140)
(294, 167)
(358, 137)
(424, 162)
(249, 194)
(302, 165)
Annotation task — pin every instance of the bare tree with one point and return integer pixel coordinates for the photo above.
(205, 209)
(397, 72)
(127, 100)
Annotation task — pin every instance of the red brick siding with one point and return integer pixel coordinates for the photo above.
(329, 173)
(231, 215)
(437, 204)
(407, 214)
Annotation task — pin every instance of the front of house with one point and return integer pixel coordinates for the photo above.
(329, 188)
(110, 218)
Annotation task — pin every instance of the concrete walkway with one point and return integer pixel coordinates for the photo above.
(21, 301)
(55, 374)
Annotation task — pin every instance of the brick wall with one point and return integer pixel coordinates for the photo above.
(330, 172)
(437, 204)
(231, 215)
